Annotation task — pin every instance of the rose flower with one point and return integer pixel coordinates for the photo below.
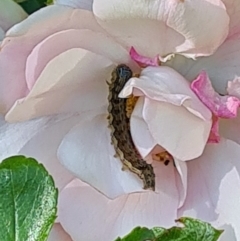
(55, 70)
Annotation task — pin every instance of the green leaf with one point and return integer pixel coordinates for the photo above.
(158, 231)
(139, 234)
(20, 1)
(49, 2)
(193, 230)
(28, 200)
(31, 6)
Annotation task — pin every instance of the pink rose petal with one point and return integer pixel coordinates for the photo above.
(214, 136)
(87, 152)
(141, 135)
(166, 85)
(33, 30)
(58, 234)
(170, 110)
(181, 133)
(90, 53)
(221, 106)
(33, 138)
(72, 83)
(142, 60)
(81, 208)
(51, 136)
(82, 4)
(233, 10)
(14, 51)
(165, 27)
(181, 170)
(214, 188)
(92, 41)
(14, 136)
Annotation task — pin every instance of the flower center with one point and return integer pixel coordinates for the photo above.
(130, 104)
(164, 157)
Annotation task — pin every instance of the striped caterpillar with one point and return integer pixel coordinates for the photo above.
(120, 131)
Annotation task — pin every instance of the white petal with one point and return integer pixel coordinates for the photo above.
(58, 234)
(43, 146)
(182, 134)
(165, 27)
(82, 210)
(14, 136)
(74, 87)
(39, 139)
(93, 41)
(141, 135)
(214, 188)
(182, 181)
(164, 84)
(233, 10)
(83, 4)
(22, 39)
(176, 118)
(57, 15)
(87, 152)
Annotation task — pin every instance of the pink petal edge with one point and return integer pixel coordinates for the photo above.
(214, 188)
(214, 136)
(221, 106)
(144, 61)
(81, 208)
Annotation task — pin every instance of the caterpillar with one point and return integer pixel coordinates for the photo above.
(119, 123)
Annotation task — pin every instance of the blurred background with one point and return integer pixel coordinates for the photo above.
(31, 6)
